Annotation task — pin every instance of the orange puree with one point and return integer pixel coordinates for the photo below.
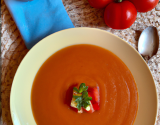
(94, 66)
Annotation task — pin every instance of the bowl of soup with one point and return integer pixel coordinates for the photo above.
(41, 91)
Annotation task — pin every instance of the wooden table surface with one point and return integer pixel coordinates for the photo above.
(82, 14)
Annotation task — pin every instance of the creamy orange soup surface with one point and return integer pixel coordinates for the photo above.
(52, 88)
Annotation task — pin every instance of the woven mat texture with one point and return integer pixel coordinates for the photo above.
(82, 15)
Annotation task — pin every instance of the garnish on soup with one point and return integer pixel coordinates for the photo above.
(85, 99)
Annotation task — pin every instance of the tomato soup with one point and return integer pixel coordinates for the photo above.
(94, 66)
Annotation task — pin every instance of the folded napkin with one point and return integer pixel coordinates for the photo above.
(38, 18)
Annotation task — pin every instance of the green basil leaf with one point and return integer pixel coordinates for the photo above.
(78, 100)
(82, 88)
(75, 89)
(79, 106)
(88, 99)
(86, 104)
(85, 94)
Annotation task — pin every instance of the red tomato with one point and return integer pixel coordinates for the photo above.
(99, 3)
(96, 106)
(120, 15)
(144, 5)
(94, 93)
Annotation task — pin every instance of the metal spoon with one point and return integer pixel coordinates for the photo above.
(148, 43)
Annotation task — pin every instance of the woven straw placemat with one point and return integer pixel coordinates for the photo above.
(82, 14)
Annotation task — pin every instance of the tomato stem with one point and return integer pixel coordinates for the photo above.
(118, 1)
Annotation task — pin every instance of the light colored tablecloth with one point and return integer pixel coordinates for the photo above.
(82, 15)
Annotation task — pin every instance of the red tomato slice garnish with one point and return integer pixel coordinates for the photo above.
(94, 93)
(96, 106)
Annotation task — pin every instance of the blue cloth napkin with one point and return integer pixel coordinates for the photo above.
(38, 18)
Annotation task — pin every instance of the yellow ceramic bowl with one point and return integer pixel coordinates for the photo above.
(20, 102)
